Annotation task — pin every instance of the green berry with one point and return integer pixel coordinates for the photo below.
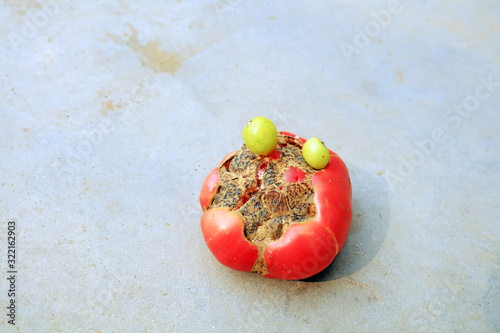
(260, 136)
(315, 153)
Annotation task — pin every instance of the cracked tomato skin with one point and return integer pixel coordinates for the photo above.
(223, 230)
(211, 183)
(223, 233)
(305, 249)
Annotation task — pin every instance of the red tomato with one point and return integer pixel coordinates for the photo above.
(306, 247)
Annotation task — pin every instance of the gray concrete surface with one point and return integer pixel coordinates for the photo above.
(113, 114)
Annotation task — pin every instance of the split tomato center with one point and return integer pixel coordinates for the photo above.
(269, 193)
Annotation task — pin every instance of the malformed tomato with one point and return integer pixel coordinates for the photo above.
(276, 215)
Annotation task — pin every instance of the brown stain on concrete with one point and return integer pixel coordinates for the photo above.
(21, 6)
(109, 105)
(400, 77)
(151, 55)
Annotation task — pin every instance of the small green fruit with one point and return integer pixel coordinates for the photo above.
(260, 136)
(315, 153)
